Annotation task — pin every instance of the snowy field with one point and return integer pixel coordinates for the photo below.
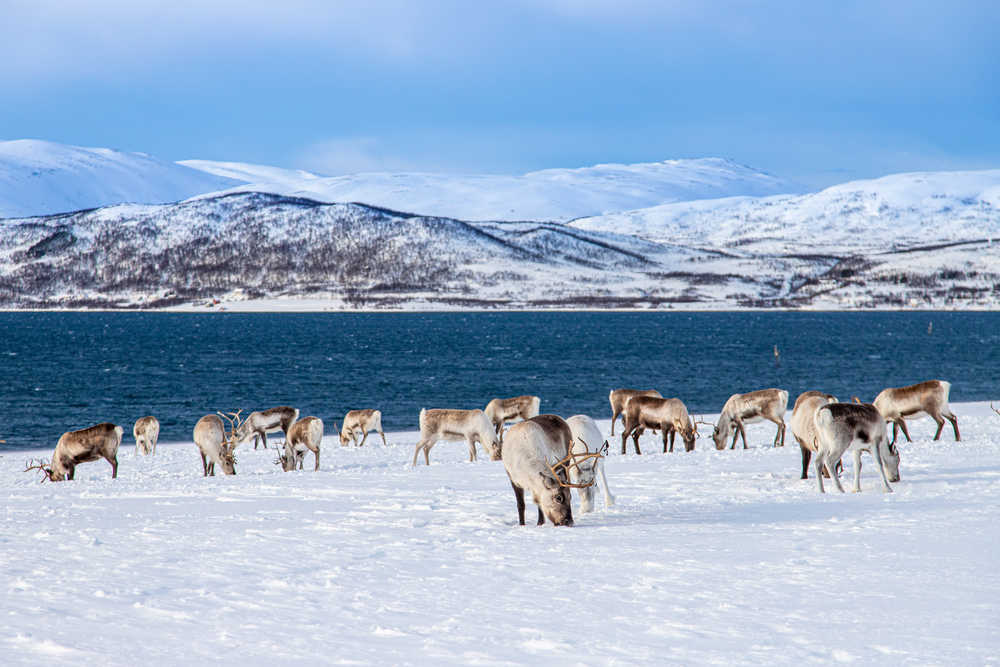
(706, 558)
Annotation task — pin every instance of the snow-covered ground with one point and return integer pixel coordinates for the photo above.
(550, 194)
(707, 557)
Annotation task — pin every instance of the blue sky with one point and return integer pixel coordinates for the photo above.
(818, 92)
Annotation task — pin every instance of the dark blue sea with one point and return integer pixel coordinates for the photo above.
(64, 371)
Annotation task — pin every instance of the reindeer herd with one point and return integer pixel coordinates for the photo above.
(547, 455)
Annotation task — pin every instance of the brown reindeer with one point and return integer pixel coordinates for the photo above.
(930, 397)
(619, 398)
(89, 444)
(668, 415)
(769, 404)
(502, 410)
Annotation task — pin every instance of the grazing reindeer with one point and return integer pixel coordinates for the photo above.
(586, 437)
(454, 426)
(769, 404)
(536, 453)
(146, 431)
(304, 434)
(365, 420)
(669, 415)
(88, 444)
(502, 410)
(262, 422)
(931, 397)
(849, 426)
(804, 428)
(215, 445)
(619, 398)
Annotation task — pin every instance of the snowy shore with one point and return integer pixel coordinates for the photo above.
(707, 557)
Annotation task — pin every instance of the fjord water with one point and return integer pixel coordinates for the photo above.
(64, 371)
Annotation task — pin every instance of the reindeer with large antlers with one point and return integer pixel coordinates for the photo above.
(537, 455)
(89, 444)
(215, 445)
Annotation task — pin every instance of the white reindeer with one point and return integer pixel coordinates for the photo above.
(215, 445)
(455, 426)
(842, 427)
(502, 410)
(146, 431)
(305, 434)
(897, 403)
(531, 449)
(619, 399)
(740, 409)
(587, 439)
(75, 447)
(360, 420)
(668, 415)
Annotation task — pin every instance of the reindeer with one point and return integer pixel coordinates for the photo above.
(669, 415)
(74, 447)
(804, 428)
(217, 446)
(262, 422)
(536, 454)
(365, 420)
(454, 426)
(501, 410)
(769, 404)
(304, 434)
(931, 397)
(856, 427)
(619, 398)
(146, 431)
(586, 437)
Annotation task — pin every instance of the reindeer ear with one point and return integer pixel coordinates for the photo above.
(548, 481)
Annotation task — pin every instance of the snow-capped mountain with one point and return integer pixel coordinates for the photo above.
(890, 213)
(551, 194)
(42, 177)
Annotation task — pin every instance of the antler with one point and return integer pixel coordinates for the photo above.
(39, 466)
(856, 400)
(234, 424)
(572, 460)
(994, 409)
(701, 421)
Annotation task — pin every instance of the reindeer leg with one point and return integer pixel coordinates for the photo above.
(624, 439)
(954, 424)
(114, 467)
(665, 442)
(614, 418)
(472, 449)
(673, 435)
(416, 451)
(519, 498)
(635, 439)
(204, 465)
(877, 453)
(317, 458)
(818, 469)
(72, 473)
(806, 455)
(940, 425)
(902, 426)
(541, 517)
(835, 478)
(427, 453)
(365, 433)
(743, 433)
(609, 499)
(384, 443)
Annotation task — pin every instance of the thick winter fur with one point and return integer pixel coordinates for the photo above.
(262, 422)
(360, 420)
(803, 426)
(586, 439)
(305, 434)
(740, 409)
(530, 448)
(456, 425)
(619, 398)
(502, 410)
(210, 437)
(146, 431)
(88, 444)
(842, 427)
(668, 415)
(931, 397)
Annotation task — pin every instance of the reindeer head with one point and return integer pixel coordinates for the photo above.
(236, 435)
(45, 468)
(554, 500)
(890, 460)
(722, 431)
(492, 442)
(289, 458)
